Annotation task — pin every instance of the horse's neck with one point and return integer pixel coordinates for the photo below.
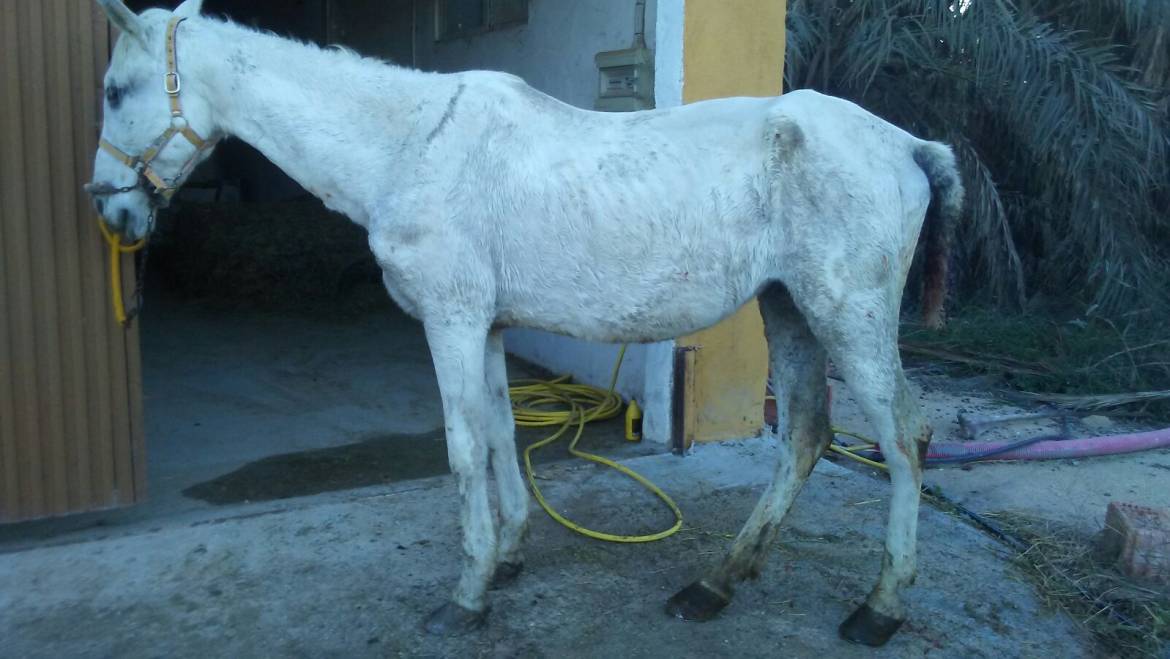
(339, 126)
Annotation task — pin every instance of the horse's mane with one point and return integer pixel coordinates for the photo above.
(341, 55)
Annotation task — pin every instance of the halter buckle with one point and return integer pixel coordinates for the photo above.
(172, 83)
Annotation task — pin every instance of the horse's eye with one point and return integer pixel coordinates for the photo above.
(114, 96)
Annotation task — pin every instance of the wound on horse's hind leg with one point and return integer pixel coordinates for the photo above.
(924, 446)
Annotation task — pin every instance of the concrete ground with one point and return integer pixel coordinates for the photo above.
(227, 390)
(352, 574)
(352, 571)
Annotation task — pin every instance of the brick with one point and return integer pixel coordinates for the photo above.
(1138, 538)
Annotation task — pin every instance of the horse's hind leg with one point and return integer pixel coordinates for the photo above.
(501, 436)
(863, 344)
(798, 381)
(903, 436)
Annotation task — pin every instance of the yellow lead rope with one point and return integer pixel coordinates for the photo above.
(580, 405)
(117, 249)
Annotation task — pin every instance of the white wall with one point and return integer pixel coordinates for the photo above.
(554, 53)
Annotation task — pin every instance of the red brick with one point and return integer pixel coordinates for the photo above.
(1138, 537)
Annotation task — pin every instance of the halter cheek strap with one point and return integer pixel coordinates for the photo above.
(173, 84)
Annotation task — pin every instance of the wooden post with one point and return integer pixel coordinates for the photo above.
(729, 49)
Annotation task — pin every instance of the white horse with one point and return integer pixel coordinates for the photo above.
(490, 205)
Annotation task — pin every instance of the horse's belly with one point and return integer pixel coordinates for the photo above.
(628, 314)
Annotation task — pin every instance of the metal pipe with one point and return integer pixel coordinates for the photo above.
(639, 23)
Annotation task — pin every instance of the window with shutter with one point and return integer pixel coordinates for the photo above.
(463, 18)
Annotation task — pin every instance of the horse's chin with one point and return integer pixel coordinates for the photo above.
(131, 224)
(134, 234)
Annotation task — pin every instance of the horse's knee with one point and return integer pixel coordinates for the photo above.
(467, 465)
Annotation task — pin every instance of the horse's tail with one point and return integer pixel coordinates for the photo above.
(946, 203)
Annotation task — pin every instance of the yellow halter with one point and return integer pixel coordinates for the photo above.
(141, 164)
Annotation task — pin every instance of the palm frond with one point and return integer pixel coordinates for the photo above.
(1058, 111)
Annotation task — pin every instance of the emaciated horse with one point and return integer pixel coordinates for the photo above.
(490, 205)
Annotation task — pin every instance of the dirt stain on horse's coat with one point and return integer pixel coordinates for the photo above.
(448, 115)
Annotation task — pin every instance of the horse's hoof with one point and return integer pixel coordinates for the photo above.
(698, 602)
(868, 627)
(454, 620)
(506, 573)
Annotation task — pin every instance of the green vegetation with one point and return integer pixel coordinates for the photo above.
(1091, 357)
(1058, 112)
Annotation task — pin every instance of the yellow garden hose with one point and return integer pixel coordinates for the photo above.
(578, 404)
(851, 450)
(117, 249)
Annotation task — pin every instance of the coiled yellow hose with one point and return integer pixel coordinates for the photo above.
(578, 405)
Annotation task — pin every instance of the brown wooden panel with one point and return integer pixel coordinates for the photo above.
(61, 69)
(17, 275)
(9, 485)
(42, 124)
(97, 331)
(70, 386)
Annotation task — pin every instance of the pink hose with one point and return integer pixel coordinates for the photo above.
(1053, 450)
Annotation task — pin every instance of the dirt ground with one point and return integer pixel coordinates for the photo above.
(353, 576)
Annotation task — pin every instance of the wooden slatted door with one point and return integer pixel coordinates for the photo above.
(71, 436)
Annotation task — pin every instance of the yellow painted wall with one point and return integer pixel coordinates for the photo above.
(730, 48)
(733, 48)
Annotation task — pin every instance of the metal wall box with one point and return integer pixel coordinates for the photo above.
(625, 80)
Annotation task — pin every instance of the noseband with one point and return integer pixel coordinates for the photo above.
(148, 178)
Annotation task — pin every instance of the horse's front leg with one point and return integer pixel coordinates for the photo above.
(457, 349)
(509, 480)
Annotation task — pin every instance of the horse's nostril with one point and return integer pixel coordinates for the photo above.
(123, 219)
(100, 205)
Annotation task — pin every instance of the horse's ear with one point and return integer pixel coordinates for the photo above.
(189, 9)
(124, 19)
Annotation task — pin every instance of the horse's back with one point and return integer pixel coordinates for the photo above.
(649, 225)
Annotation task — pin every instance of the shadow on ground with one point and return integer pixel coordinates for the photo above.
(378, 460)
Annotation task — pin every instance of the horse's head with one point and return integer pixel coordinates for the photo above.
(154, 130)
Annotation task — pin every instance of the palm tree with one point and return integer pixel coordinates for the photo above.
(1058, 110)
